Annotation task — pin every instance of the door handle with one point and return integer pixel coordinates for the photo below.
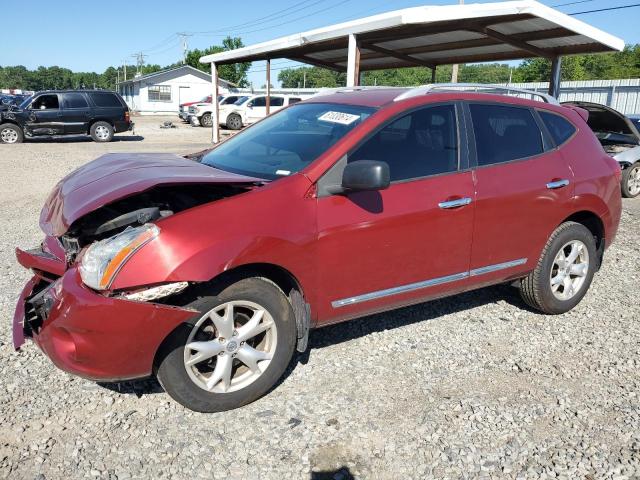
(458, 202)
(557, 184)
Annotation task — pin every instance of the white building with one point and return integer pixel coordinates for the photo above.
(163, 92)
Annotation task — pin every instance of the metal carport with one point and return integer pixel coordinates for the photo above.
(430, 36)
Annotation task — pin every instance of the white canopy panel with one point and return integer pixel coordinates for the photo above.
(437, 35)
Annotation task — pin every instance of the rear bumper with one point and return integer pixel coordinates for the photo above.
(91, 335)
(122, 126)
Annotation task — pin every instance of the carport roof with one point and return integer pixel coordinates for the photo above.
(436, 35)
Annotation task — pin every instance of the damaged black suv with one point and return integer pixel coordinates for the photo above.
(98, 113)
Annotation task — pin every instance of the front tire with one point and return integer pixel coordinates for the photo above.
(206, 120)
(10, 133)
(101, 132)
(564, 272)
(231, 353)
(234, 121)
(630, 183)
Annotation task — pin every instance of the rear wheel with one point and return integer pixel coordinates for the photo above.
(233, 352)
(206, 120)
(234, 122)
(564, 272)
(101, 132)
(631, 181)
(10, 133)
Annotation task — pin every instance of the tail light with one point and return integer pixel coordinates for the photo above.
(127, 117)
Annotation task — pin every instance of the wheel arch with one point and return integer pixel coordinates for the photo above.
(594, 223)
(99, 119)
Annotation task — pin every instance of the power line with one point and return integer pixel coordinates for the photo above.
(570, 3)
(606, 9)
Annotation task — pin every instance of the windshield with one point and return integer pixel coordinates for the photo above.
(288, 141)
(241, 100)
(25, 102)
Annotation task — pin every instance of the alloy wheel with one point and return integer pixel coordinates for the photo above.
(633, 181)
(102, 132)
(569, 270)
(230, 346)
(9, 135)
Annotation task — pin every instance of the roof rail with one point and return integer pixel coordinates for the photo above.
(327, 91)
(480, 88)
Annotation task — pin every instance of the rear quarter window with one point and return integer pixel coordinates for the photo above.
(504, 133)
(105, 99)
(560, 129)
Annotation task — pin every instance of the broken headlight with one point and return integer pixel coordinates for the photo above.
(104, 259)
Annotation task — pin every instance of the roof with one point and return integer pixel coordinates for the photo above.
(180, 70)
(436, 35)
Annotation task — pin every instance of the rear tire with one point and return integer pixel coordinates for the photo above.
(630, 183)
(10, 133)
(234, 121)
(212, 375)
(101, 132)
(560, 281)
(206, 120)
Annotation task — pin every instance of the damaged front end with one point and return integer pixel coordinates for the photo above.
(95, 221)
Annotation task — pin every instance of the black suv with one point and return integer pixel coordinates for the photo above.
(98, 113)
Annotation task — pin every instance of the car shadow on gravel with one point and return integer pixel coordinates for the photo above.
(82, 139)
(345, 331)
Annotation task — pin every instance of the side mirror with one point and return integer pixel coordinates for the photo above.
(363, 176)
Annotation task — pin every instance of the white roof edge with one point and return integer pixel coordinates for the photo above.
(423, 14)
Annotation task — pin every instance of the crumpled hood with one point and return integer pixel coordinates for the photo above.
(115, 176)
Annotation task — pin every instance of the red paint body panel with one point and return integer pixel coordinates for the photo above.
(116, 176)
(97, 337)
(336, 247)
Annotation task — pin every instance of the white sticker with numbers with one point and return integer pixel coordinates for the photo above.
(339, 117)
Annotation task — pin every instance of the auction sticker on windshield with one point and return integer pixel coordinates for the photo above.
(339, 117)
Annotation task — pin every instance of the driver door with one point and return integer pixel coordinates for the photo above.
(45, 115)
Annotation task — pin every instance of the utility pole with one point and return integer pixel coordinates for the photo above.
(304, 79)
(124, 66)
(454, 69)
(185, 45)
(139, 61)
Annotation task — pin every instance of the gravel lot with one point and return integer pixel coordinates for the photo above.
(473, 386)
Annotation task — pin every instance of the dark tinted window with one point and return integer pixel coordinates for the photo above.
(504, 133)
(422, 143)
(294, 100)
(105, 99)
(75, 100)
(277, 101)
(46, 102)
(559, 128)
(258, 102)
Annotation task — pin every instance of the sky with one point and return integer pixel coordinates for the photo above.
(89, 36)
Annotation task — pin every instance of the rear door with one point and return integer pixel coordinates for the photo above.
(75, 112)
(523, 190)
(409, 242)
(45, 115)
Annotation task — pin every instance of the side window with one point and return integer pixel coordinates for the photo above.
(74, 100)
(46, 102)
(105, 99)
(277, 101)
(294, 100)
(504, 133)
(258, 102)
(422, 143)
(559, 128)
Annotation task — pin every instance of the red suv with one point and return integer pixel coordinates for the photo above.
(209, 271)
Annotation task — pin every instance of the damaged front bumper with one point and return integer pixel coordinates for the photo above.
(89, 334)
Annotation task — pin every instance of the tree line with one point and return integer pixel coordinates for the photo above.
(625, 64)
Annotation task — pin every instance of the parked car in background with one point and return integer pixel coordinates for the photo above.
(636, 120)
(183, 111)
(6, 101)
(208, 271)
(200, 113)
(98, 113)
(620, 138)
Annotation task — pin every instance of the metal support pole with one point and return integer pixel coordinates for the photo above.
(268, 86)
(554, 81)
(433, 75)
(353, 62)
(215, 121)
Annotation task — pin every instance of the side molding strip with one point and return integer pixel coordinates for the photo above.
(426, 283)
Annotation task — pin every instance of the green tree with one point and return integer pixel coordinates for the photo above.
(311, 77)
(234, 73)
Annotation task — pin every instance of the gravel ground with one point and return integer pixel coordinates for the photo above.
(474, 386)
